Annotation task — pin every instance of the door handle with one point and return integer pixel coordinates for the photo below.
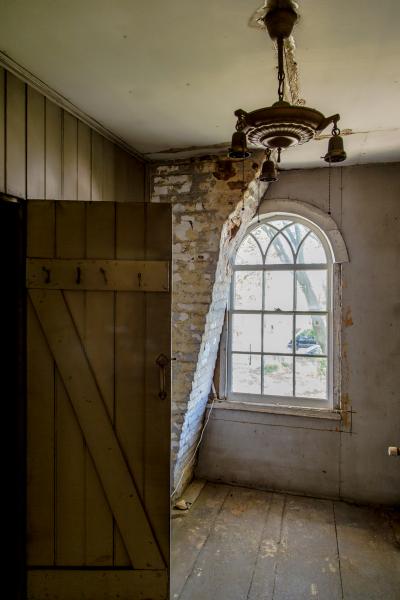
(162, 361)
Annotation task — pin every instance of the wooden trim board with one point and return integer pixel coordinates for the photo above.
(97, 275)
(97, 584)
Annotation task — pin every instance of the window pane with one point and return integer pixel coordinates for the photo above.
(311, 377)
(311, 251)
(296, 233)
(278, 333)
(246, 333)
(248, 290)
(246, 373)
(311, 334)
(279, 252)
(278, 375)
(248, 253)
(311, 290)
(279, 223)
(264, 234)
(278, 290)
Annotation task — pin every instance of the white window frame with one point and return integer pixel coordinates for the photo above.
(326, 230)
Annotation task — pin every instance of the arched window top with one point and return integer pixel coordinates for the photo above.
(283, 241)
(323, 224)
(281, 326)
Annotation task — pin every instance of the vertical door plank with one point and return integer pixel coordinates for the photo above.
(70, 157)
(99, 341)
(40, 406)
(84, 161)
(71, 450)
(2, 130)
(53, 156)
(108, 171)
(158, 412)
(129, 352)
(97, 166)
(15, 137)
(40, 446)
(35, 144)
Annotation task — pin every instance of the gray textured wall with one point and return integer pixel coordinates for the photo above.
(327, 457)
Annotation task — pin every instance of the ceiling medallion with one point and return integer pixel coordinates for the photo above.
(283, 125)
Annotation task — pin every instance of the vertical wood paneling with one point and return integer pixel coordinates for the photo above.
(35, 144)
(158, 340)
(97, 166)
(121, 175)
(71, 451)
(129, 178)
(99, 342)
(53, 156)
(70, 157)
(129, 353)
(40, 407)
(15, 136)
(108, 171)
(47, 153)
(135, 182)
(84, 162)
(2, 130)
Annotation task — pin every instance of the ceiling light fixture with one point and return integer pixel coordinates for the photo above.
(282, 125)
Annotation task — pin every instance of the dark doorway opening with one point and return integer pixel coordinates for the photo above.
(13, 385)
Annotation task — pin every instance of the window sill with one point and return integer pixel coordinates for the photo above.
(314, 413)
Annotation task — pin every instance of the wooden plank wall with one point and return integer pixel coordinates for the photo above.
(46, 153)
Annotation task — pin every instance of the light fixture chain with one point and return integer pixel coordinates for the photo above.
(281, 70)
(243, 184)
(329, 188)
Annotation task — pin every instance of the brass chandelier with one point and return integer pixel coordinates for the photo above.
(282, 125)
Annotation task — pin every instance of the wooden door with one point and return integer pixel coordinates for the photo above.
(98, 428)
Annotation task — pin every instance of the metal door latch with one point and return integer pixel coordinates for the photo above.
(162, 361)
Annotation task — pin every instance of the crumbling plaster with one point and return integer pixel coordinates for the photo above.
(210, 212)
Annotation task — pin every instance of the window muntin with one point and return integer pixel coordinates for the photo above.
(281, 316)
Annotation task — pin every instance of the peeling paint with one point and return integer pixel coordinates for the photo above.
(224, 170)
(348, 319)
(345, 407)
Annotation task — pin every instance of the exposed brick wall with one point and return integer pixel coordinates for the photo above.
(208, 222)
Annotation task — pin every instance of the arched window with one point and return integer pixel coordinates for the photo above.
(280, 328)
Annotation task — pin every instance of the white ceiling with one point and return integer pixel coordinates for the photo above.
(169, 74)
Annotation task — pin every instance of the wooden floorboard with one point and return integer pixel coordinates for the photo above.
(242, 544)
(369, 553)
(225, 565)
(190, 533)
(308, 564)
(265, 571)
